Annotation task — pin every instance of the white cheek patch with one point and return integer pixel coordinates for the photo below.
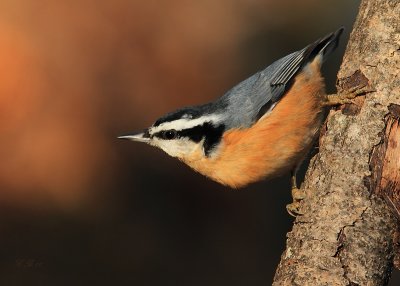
(176, 148)
(185, 123)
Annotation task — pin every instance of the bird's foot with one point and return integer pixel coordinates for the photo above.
(294, 208)
(348, 96)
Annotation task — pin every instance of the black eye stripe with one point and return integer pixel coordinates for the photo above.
(167, 134)
(213, 137)
(211, 134)
(195, 134)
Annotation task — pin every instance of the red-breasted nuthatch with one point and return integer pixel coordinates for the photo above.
(261, 128)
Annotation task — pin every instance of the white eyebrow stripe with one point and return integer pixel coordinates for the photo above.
(185, 123)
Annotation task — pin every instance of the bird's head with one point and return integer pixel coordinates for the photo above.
(183, 133)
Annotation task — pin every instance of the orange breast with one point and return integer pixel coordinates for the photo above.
(275, 143)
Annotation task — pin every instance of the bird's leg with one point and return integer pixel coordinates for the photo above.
(297, 195)
(346, 97)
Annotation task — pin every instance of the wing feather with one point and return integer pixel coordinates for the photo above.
(260, 93)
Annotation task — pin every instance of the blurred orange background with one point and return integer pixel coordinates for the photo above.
(81, 207)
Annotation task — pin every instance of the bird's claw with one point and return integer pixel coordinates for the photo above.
(294, 208)
(348, 96)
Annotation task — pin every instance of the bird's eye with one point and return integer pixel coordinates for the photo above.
(169, 134)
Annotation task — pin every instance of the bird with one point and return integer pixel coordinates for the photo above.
(261, 128)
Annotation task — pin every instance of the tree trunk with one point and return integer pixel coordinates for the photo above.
(346, 235)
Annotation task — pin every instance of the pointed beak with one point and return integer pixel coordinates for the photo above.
(138, 137)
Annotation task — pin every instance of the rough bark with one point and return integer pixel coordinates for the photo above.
(346, 236)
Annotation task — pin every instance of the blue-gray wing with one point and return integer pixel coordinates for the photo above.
(257, 95)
